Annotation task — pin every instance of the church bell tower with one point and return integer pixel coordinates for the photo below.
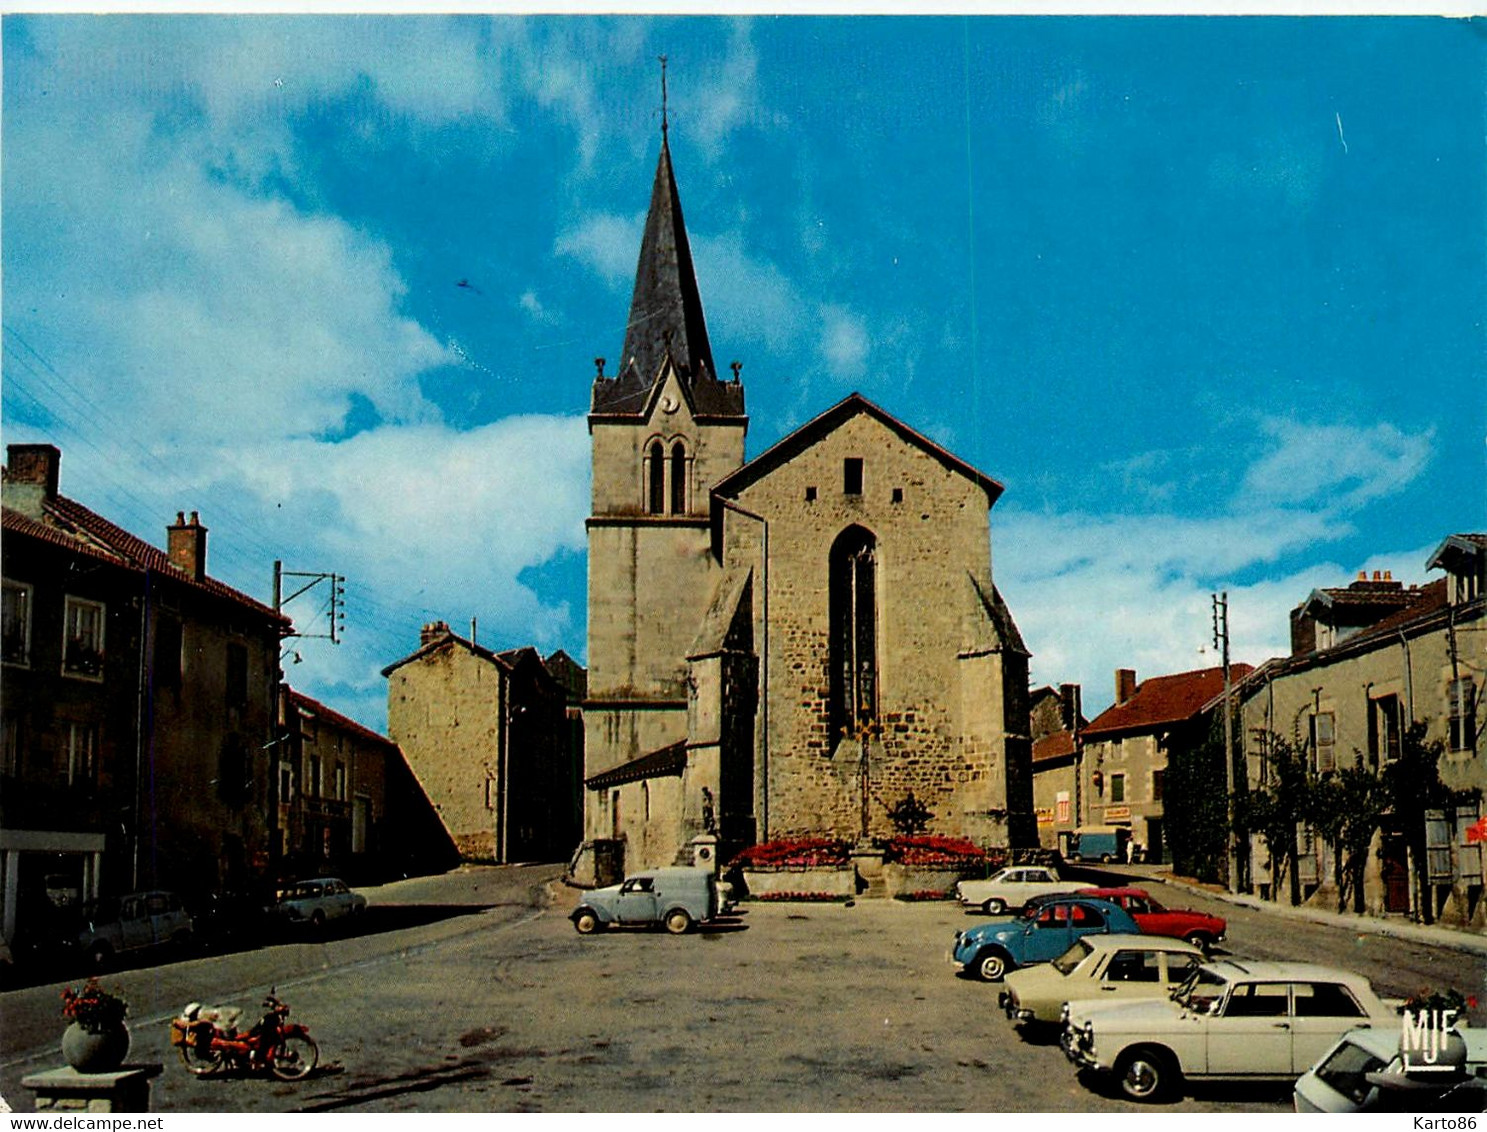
(663, 430)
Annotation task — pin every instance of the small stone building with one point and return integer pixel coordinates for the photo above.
(488, 738)
(786, 646)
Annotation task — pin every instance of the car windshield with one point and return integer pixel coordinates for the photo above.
(1070, 959)
(1200, 990)
(1344, 1071)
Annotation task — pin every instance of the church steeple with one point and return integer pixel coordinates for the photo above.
(666, 316)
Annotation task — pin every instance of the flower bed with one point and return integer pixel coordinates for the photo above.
(798, 852)
(934, 850)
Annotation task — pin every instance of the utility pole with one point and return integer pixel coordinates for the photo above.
(1221, 641)
(335, 608)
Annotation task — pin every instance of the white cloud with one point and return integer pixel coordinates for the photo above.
(606, 244)
(728, 94)
(1338, 464)
(844, 343)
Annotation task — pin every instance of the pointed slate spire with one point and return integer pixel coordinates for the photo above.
(665, 308)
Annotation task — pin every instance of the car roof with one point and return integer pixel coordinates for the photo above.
(1112, 940)
(1121, 890)
(1273, 969)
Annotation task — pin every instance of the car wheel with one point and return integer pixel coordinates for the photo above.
(100, 957)
(994, 906)
(991, 966)
(1146, 1074)
(317, 919)
(586, 923)
(678, 922)
(1200, 941)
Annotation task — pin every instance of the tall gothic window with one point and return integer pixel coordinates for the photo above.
(678, 479)
(854, 636)
(656, 478)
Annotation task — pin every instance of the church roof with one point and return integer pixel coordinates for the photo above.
(812, 431)
(666, 319)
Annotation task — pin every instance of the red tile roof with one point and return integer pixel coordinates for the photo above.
(330, 715)
(1057, 745)
(1165, 699)
(67, 523)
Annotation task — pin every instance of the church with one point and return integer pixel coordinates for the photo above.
(789, 646)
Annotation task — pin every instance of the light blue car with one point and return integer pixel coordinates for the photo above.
(1044, 932)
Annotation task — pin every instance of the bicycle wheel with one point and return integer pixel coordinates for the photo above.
(200, 1057)
(294, 1057)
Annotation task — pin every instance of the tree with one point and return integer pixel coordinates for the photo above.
(1411, 785)
(1346, 807)
(1276, 807)
(1195, 787)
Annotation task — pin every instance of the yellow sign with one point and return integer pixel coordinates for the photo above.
(1117, 813)
(1045, 815)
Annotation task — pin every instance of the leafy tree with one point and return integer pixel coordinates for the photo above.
(1195, 787)
(1346, 807)
(1276, 807)
(1411, 785)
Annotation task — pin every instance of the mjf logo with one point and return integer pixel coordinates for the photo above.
(1424, 1034)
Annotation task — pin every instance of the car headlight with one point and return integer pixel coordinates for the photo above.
(1063, 1014)
(1087, 1035)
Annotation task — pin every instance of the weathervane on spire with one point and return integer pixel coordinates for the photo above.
(663, 94)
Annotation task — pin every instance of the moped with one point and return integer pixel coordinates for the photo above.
(208, 1041)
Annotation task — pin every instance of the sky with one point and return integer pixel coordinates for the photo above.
(1205, 294)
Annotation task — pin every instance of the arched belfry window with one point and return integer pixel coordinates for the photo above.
(656, 479)
(678, 479)
(854, 631)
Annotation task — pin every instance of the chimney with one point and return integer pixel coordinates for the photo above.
(31, 472)
(1125, 684)
(432, 632)
(186, 546)
(1068, 696)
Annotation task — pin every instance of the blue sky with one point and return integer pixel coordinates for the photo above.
(1205, 294)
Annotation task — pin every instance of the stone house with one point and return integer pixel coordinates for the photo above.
(789, 645)
(1367, 660)
(488, 737)
(1058, 746)
(138, 707)
(1127, 746)
(348, 805)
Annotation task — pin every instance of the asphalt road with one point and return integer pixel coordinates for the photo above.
(472, 992)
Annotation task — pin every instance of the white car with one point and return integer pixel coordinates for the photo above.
(1237, 1020)
(1013, 887)
(317, 902)
(1364, 1072)
(1110, 968)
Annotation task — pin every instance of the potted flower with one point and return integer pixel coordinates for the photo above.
(97, 1041)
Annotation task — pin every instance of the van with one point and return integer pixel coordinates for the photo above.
(677, 898)
(1098, 843)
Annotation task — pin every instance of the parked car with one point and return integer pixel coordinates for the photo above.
(230, 921)
(137, 922)
(677, 898)
(1106, 967)
(1198, 928)
(1365, 1072)
(317, 902)
(989, 951)
(1232, 1020)
(1013, 887)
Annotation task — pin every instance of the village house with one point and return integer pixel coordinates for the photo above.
(790, 645)
(138, 708)
(1127, 746)
(1367, 660)
(1057, 731)
(348, 805)
(488, 736)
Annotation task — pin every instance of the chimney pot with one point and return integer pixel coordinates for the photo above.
(432, 632)
(31, 473)
(1363, 575)
(1388, 575)
(1376, 576)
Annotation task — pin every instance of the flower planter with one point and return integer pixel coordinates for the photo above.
(818, 881)
(916, 880)
(90, 1051)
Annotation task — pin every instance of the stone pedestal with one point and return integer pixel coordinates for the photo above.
(705, 851)
(126, 1089)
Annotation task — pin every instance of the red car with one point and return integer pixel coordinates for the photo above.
(1198, 928)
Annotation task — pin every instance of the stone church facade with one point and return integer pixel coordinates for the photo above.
(787, 646)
